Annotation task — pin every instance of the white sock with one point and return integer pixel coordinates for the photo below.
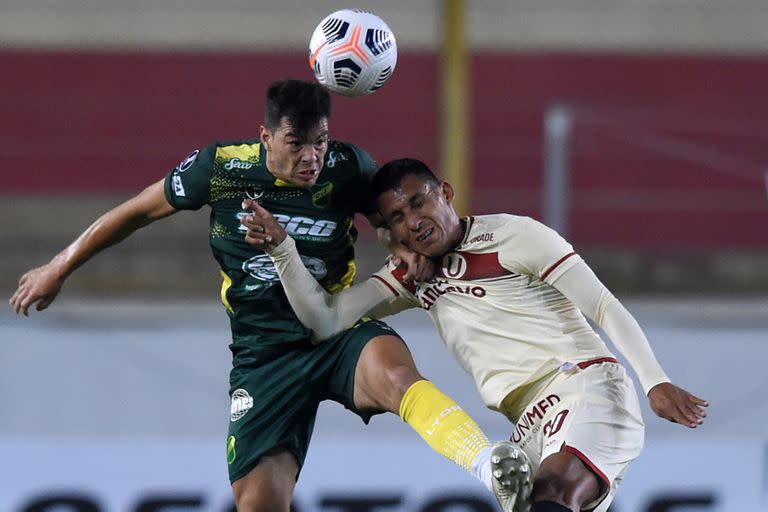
(481, 467)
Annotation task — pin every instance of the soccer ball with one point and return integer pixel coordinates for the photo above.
(352, 52)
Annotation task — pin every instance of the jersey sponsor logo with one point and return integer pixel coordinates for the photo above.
(187, 162)
(241, 404)
(261, 267)
(236, 163)
(334, 157)
(438, 287)
(485, 237)
(300, 227)
(530, 422)
(178, 186)
(454, 265)
(322, 195)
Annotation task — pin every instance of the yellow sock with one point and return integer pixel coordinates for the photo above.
(445, 427)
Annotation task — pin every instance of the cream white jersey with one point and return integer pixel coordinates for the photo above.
(494, 305)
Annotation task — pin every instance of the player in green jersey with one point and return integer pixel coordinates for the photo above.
(314, 186)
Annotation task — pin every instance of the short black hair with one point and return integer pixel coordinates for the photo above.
(391, 175)
(305, 104)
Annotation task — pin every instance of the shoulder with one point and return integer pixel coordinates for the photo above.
(349, 155)
(496, 227)
(238, 152)
(511, 225)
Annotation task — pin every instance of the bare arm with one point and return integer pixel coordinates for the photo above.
(584, 289)
(41, 285)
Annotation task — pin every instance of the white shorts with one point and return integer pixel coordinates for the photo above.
(591, 410)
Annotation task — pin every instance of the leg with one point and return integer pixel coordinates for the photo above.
(268, 487)
(386, 378)
(383, 374)
(563, 479)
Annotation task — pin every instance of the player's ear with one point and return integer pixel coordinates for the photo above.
(266, 137)
(447, 191)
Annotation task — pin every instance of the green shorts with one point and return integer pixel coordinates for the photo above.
(274, 400)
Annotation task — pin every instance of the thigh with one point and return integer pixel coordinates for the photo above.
(368, 354)
(273, 406)
(269, 485)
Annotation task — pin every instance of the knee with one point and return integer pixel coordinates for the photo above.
(401, 377)
(572, 490)
(550, 487)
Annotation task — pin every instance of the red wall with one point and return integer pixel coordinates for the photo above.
(667, 152)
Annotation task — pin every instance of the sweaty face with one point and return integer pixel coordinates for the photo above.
(421, 217)
(295, 158)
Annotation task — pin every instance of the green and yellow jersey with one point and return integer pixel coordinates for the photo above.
(320, 219)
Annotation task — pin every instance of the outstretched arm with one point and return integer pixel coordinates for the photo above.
(584, 289)
(323, 313)
(41, 285)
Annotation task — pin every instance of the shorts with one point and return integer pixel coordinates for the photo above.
(274, 400)
(592, 411)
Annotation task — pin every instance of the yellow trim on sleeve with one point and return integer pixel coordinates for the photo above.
(225, 285)
(346, 279)
(244, 152)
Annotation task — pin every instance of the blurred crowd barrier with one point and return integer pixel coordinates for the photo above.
(667, 155)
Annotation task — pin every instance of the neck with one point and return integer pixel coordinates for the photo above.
(461, 231)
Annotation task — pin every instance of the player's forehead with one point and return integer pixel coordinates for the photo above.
(286, 128)
(411, 188)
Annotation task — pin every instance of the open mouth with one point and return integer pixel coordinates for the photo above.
(425, 235)
(308, 174)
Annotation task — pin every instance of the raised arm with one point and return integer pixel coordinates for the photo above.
(41, 285)
(323, 313)
(584, 289)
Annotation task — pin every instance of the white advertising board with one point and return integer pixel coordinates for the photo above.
(357, 474)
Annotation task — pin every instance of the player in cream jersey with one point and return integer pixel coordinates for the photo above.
(509, 297)
(493, 302)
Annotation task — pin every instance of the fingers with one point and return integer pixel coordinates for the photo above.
(686, 412)
(698, 401)
(258, 239)
(19, 302)
(43, 304)
(257, 210)
(24, 304)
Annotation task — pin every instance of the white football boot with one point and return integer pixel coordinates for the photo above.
(512, 479)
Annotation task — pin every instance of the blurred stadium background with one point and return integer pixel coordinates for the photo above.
(638, 128)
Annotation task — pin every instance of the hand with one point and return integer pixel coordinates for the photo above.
(677, 405)
(264, 231)
(420, 268)
(41, 285)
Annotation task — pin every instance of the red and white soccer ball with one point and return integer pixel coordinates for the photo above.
(352, 52)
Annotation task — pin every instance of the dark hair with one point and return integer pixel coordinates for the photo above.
(391, 175)
(303, 103)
